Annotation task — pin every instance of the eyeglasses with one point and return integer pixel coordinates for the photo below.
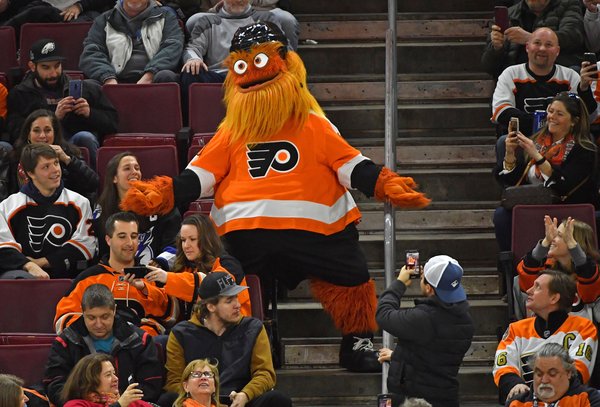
(197, 375)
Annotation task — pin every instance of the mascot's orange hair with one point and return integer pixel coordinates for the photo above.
(279, 90)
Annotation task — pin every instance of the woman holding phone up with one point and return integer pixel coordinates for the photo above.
(560, 156)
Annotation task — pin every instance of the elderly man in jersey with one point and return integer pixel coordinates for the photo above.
(280, 173)
(550, 299)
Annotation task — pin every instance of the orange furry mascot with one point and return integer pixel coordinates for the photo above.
(280, 174)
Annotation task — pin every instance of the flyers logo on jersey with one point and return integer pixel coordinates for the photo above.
(49, 229)
(281, 156)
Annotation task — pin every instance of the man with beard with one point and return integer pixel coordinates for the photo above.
(522, 89)
(135, 42)
(550, 299)
(218, 331)
(139, 301)
(555, 381)
(84, 120)
(507, 48)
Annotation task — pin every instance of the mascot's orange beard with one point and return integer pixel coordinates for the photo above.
(256, 115)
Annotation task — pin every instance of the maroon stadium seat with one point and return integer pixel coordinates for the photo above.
(206, 108)
(255, 289)
(26, 361)
(8, 53)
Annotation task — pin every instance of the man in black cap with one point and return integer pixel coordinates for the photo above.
(85, 118)
(217, 330)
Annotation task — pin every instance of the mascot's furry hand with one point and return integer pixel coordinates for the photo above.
(399, 190)
(153, 197)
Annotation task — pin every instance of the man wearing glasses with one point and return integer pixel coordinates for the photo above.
(218, 331)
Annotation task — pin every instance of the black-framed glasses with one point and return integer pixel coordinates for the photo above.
(197, 375)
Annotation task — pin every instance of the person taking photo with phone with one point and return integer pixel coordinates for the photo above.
(432, 337)
(85, 117)
(139, 301)
(560, 156)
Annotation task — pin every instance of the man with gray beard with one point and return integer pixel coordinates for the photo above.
(555, 381)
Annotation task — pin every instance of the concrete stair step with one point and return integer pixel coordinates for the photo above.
(437, 156)
(381, 6)
(323, 352)
(340, 387)
(430, 119)
(413, 57)
(453, 184)
(308, 319)
(372, 30)
(470, 248)
(425, 91)
(475, 284)
(431, 220)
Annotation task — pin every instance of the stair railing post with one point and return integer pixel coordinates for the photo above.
(391, 132)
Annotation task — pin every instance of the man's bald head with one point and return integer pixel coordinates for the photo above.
(542, 50)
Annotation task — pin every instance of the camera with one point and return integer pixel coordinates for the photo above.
(591, 58)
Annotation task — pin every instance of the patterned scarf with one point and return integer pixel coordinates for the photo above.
(103, 398)
(555, 152)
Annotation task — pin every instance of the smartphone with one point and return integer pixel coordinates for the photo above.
(75, 88)
(501, 17)
(591, 58)
(137, 271)
(412, 263)
(513, 125)
(384, 400)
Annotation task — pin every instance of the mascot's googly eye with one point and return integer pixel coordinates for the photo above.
(261, 60)
(240, 66)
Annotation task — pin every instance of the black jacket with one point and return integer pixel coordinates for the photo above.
(26, 97)
(433, 337)
(134, 353)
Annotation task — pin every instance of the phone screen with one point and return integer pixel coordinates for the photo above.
(137, 271)
(412, 263)
(75, 88)
(501, 17)
(513, 125)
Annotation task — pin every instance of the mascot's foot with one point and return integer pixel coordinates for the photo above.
(357, 353)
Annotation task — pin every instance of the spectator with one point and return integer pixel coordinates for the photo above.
(94, 383)
(560, 156)
(42, 126)
(569, 248)
(100, 330)
(562, 16)
(84, 120)
(555, 381)
(51, 11)
(156, 239)
(433, 337)
(44, 228)
(3, 108)
(199, 385)
(550, 299)
(522, 89)
(199, 252)
(285, 19)
(138, 302)
(135, 42)
(11, 391)
(217, 330)
(211, 36)
(591, 25)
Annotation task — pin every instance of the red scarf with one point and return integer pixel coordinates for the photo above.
(554, 152)
(103, 398)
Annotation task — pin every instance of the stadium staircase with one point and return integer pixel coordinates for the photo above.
(445, 141)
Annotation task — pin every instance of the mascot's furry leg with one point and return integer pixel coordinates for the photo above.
(353, 312)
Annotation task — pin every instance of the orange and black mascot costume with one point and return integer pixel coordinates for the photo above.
(280, 174)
